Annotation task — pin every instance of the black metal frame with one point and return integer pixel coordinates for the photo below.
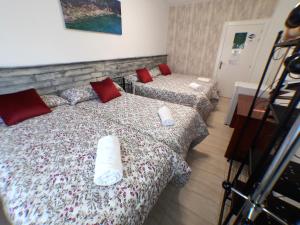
(120, 81)
(123, 83)
(127, 86)
(277, 139)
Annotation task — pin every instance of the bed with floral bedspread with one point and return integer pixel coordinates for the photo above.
(175, 88)
(141, 113)
(47, 168)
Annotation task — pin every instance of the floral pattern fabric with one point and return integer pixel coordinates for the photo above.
(175, 88)
(53, 100)
(82, 93)
(141, 113)
(47, 168)
(79, 94)
(155, 72)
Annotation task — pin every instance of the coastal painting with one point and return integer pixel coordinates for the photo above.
(93, 15)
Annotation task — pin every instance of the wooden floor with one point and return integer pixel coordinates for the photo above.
(198, 202)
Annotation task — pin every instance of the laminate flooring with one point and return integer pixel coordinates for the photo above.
(198, 202)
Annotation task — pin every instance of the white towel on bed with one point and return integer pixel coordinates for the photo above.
(108, 165)
(204, 79)
(166, 116)
(194, 85)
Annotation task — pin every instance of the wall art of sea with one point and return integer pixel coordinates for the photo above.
(93, 15)
(106, 23)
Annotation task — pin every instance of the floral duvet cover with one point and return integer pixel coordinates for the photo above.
(175, 88)
(47, 169)
(141, 113)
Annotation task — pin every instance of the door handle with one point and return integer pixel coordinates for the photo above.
(220, 65)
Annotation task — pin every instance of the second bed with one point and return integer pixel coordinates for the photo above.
(175, 88)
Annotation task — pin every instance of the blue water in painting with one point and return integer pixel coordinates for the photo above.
(107, 24)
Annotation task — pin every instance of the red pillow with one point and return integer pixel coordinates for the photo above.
(19, 106)
(106, 90)
(164, 69)
(144, 75)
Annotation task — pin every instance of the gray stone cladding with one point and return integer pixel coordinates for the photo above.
(55, 78)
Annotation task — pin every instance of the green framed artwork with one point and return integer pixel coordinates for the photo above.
(93, 15)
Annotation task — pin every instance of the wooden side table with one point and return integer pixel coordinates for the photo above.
(238, 120)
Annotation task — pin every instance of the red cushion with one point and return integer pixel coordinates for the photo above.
(164, 69)
(19, 106)
(144, 75)
(106, 90)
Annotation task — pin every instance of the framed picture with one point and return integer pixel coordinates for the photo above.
(239, 40)
(93, 15)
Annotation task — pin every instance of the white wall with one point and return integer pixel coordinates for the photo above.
(32, 32)
(280, 14)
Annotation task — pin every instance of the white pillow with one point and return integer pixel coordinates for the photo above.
(132, 78)
(154, 72)
(53, 100)
(79, 94)
(82, 93)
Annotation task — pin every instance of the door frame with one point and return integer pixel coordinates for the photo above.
(266, 23)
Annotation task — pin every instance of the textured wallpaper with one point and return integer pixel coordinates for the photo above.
(195, 30)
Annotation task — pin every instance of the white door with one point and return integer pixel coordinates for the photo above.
(237, 53)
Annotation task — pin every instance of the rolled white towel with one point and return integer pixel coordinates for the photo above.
(204, 79)
(195, 86)
(108, 165)
(166, 116)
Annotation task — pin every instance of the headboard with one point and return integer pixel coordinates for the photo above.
(56, 78)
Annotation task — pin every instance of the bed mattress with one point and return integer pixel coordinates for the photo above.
(47, 168)
(141, 113)
(175, 88)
